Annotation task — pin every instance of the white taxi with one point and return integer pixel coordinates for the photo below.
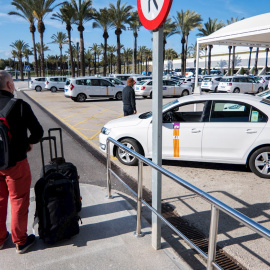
(222, 128)
(81, 88)
(170, 88)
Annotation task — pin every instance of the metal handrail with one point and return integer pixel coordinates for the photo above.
(216, 204)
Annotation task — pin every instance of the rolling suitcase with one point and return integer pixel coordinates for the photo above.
(56, 212)
(66, 168)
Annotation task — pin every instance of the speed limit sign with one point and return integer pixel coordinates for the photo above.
(153, 13)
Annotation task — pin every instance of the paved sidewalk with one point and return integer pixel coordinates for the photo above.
(105, 241)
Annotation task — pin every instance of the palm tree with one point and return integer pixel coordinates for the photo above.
(111, 50)
(94, 49)
(127, 55)
(148, 57)
(141, 52)
(170, 55)
(192, 52)
(88, 56)
(19, 46)
(233, 20)
(45, 48)
(77, 55)
(82, 14)
(209, 28)
(186, 22)
(66, 16)
(119, 16)
(53, 60)
(26, 52)
(25, 10)
(99, 51)
(169, 29)
(134, 25)
(60, 38)
(40, 9)
(103, 21)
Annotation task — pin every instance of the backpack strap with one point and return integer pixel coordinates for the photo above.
(6, 110)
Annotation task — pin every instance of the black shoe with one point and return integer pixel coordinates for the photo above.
(7, 236)
(31, 239)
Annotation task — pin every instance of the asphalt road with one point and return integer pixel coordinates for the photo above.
(91, 171)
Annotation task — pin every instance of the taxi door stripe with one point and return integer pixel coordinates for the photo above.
(107, 91)
(176, 140)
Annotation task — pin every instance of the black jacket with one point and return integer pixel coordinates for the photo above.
(20, 119)
(128, 97)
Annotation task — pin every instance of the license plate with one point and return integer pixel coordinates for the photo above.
(222, 86)
(205, 83)
(137, 88)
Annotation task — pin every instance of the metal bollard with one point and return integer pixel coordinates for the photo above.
(138, 232)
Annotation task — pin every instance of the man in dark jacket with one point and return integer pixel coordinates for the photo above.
(128, 97)
(15, 181)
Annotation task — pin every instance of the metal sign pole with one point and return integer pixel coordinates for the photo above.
(157, 133)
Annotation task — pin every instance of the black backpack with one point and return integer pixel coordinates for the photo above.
(5, 135)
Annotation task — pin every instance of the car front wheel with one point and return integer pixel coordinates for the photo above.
(236, 90)
(125, 157)
(259, 162)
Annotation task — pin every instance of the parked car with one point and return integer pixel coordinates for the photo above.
(140, 78)
(55, 83)
(115, 81)
(230, 129)
(239, 84)
(170, 88)
(191, 81)
(210, 83)
(264, 79)
(81, 88)
(122, 77)
(37, 83)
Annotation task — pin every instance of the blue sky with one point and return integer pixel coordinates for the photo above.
(13, 28)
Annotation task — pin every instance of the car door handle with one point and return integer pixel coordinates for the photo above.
(195, 130)
(251, 131)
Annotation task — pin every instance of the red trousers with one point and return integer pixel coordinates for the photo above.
(15, 182)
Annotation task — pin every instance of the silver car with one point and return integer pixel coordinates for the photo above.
(239, 84)
(210, 83)
(170, 88)
(37, 83)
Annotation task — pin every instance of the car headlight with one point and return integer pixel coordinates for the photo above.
(105, 131)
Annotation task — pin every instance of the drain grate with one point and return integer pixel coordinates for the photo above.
(198, 238)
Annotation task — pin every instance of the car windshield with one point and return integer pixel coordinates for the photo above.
(207, 79)
(149, 114)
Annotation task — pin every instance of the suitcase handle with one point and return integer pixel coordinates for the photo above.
(61, 139)
(50, 138)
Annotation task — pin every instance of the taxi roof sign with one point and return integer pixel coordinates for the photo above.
(153, 13)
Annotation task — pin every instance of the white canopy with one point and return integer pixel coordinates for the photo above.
(250, 32)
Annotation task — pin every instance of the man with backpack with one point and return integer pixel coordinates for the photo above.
(16, 118)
